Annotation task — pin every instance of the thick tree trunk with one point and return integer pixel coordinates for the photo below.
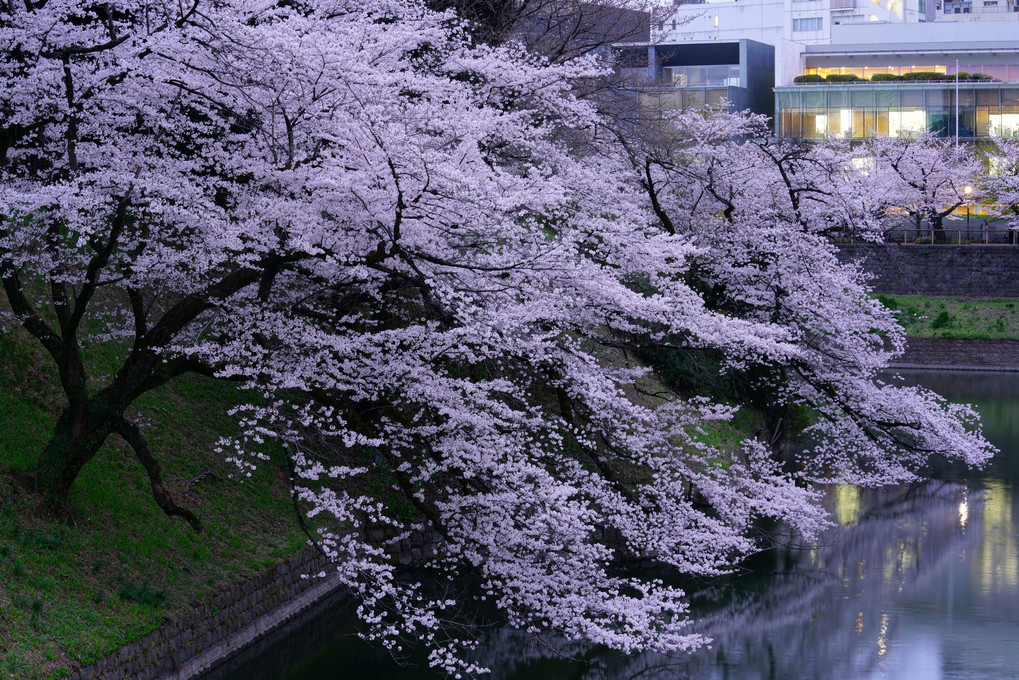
(76, 439)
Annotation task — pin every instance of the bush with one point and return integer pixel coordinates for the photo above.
(882, 77)
(843, 78)
(973, 76)
(924, 75)
(810, 78)
(888, 302)
(942, 320)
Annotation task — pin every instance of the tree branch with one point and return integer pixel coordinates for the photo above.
(133, 436)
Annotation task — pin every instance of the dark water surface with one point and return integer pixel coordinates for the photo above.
(915, 583)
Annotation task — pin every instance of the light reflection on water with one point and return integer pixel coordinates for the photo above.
(914, 583)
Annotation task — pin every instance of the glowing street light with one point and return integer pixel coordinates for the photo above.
(967, 190)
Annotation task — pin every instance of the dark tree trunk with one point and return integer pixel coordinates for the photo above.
(76, 439)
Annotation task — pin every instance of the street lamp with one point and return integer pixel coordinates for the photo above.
(967, 190)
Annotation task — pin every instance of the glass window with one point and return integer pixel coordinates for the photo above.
(984, 121)
(813, 99)
(881, 121)
(988, 97)
(937, 98)
(906, 122)
(887, 97)
(788, 100)
(1005, 124)
(807, 24)
(838, 98)
(815, 124)
(859, 123)
(869, 71)
(792, 124)
(996, 71)
(863, 97)
(840, 122)
(912, 97)
(941, 121)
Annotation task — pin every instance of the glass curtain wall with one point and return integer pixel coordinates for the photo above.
(724, 75)
(684, 99)
(865, 111)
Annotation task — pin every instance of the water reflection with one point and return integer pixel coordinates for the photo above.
(915, 582)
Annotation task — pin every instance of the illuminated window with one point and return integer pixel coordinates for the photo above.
(1005, 124)
(906, 123)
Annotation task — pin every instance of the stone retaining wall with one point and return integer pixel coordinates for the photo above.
(166, 650)
(174, 649)
(975, 271)
(960, 354)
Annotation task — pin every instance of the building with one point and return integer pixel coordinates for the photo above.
(788, 25)
(984, 56)
(740, 72)
(901, 56)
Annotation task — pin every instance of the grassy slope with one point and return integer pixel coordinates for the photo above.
(72, 591)
(923, 316)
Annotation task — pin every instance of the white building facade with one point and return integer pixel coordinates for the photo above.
(791, 25)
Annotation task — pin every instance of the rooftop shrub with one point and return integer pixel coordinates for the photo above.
(924, 75)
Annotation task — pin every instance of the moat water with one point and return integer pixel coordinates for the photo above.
(917, 582)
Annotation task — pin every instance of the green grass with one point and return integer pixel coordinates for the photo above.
(926, 317)
(74, 589)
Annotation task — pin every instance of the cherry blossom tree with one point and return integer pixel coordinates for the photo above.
(1001, 182)
(761, 213)
(431, 261)
(928, 177)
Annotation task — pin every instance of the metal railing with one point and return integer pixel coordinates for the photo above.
(973, 236)
(939, 82)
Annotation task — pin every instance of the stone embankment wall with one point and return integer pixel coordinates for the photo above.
(974, 271)
(241, 614)
(960, 354)
(968, 271)
(167, 651)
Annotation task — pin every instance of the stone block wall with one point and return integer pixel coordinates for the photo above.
(164, 651)
(960, 354)
(974, 271)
